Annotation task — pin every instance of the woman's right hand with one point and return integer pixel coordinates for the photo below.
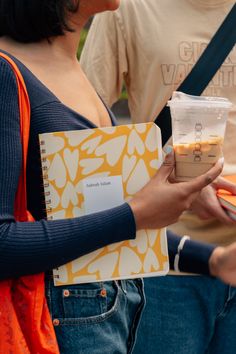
(160, 203)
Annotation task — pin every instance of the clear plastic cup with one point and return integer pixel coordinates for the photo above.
(198, 128)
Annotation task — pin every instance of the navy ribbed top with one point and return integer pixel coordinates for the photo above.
(27, 247)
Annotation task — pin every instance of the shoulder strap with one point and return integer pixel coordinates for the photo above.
(205, 68)
(23, 305)
(24, 109)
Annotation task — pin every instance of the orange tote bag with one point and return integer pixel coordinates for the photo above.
(25, 323)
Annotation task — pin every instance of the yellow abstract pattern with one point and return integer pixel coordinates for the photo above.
(68, 158)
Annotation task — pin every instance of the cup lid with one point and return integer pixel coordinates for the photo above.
(181, 99)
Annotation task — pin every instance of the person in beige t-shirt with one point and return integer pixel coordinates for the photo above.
(150, 46)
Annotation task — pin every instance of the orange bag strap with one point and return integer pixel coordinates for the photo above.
(23, 306)
(24, 106)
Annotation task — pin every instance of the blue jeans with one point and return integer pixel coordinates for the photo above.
(187, 315)
(96, 318)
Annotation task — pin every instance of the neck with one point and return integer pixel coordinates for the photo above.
(64, 47)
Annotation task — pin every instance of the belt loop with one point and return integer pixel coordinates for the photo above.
(231, 293)
(122, 285)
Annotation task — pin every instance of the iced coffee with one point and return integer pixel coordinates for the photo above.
(198, 127)
(194, 159)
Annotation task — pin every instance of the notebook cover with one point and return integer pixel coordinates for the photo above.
(132, 153)
(227, 200)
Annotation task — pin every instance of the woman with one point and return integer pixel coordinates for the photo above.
(42, 37)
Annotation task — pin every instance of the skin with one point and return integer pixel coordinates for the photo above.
(207, 206)
(63, 75)
(158, 195)
(222, 264)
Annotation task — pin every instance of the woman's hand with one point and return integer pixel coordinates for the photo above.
(207, 205)
(222, 264)
(160, 203)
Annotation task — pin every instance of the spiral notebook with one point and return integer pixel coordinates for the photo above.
(90, 170)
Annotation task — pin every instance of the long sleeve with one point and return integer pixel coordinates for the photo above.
(194, 257)
(27, 247)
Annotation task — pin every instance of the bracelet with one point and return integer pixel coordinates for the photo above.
(179, 249)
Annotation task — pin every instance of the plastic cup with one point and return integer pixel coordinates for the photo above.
(198, 128)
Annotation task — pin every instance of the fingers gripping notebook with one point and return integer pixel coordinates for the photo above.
(228, 200)
(90, 170)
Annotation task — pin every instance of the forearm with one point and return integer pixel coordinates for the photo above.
(32, 247)
(194, 257)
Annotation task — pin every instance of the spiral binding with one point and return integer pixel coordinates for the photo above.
(46, 184)
(55, 274)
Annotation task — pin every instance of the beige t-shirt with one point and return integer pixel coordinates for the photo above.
(151, 45)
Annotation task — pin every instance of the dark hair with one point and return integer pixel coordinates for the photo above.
(33, 20)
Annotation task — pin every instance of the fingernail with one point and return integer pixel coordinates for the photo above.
(221, 160)
(168, 149)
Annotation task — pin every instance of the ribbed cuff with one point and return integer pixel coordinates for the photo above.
(173, 242)
(194, 257)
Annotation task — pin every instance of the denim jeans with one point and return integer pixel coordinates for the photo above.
(96, 318)
(187, 315)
